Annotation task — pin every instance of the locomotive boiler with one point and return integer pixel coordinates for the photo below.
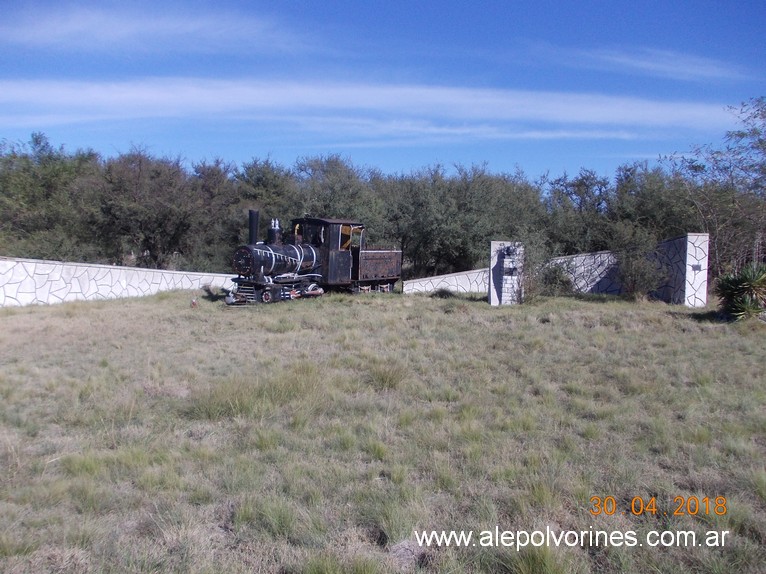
(312, 256)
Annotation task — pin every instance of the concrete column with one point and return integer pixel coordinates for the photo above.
(506, 273)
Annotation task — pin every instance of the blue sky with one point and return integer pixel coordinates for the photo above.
(543, 86)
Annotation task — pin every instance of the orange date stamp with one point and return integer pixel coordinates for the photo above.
(640, 506)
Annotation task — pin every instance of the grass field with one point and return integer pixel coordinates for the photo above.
(143, 435)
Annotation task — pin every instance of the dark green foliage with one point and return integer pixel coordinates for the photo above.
(147, 209)
(539, 277)
(654, 200)
(726, 188)
(634, 247)
(157, 212)
(577, 209)
(218, 222)
(46, 201)
(743, 294)
(554, 281)
(271, 188)
(444, 223)
(332, 187)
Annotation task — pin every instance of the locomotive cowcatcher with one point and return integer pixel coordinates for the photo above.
(314, 255)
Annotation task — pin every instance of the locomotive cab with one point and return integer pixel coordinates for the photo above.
(338, 241)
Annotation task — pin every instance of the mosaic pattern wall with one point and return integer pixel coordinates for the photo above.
(683, 261)
(31, 281)
(591, 272)
(468, 282)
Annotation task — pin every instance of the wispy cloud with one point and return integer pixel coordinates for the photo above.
(146, 28)
(354, 110)
(658, 63)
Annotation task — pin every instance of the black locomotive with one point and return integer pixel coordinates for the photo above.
(315, 254)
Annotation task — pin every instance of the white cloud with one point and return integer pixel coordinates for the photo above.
(356, 110)
(658, 63)
(142, 29)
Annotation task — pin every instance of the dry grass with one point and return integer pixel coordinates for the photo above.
(313, 437)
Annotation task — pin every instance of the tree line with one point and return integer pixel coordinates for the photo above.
(137, 209)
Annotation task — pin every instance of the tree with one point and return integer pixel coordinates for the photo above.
(726, 188)
(216, 225)
(576, 209)
(147, 209)
(635, 249)
(331, 186)
(271, 188)
(652, 199)
(46, 201)
(747, 147)
(415, 214)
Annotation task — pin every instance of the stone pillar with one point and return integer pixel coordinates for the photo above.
(505, 273)
(695, 284)
(683, 262)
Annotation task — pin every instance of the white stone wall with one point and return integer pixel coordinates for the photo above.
(591, 272)
(683, 260)
(476, 281)
(32, 281)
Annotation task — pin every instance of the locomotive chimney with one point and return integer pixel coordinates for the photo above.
(253, 216)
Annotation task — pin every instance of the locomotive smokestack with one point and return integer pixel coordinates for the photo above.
(253, 216)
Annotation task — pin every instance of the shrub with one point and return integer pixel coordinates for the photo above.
(555, 281)
(634, 249)
(442, 293)
(743, 294)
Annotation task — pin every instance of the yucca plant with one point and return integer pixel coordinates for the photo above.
(743, 294)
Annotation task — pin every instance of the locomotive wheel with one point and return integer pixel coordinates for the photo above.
(266, 296)
(313, 290)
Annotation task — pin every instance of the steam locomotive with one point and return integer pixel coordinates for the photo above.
(315, 254)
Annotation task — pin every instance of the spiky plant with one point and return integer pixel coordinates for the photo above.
(743, 294)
